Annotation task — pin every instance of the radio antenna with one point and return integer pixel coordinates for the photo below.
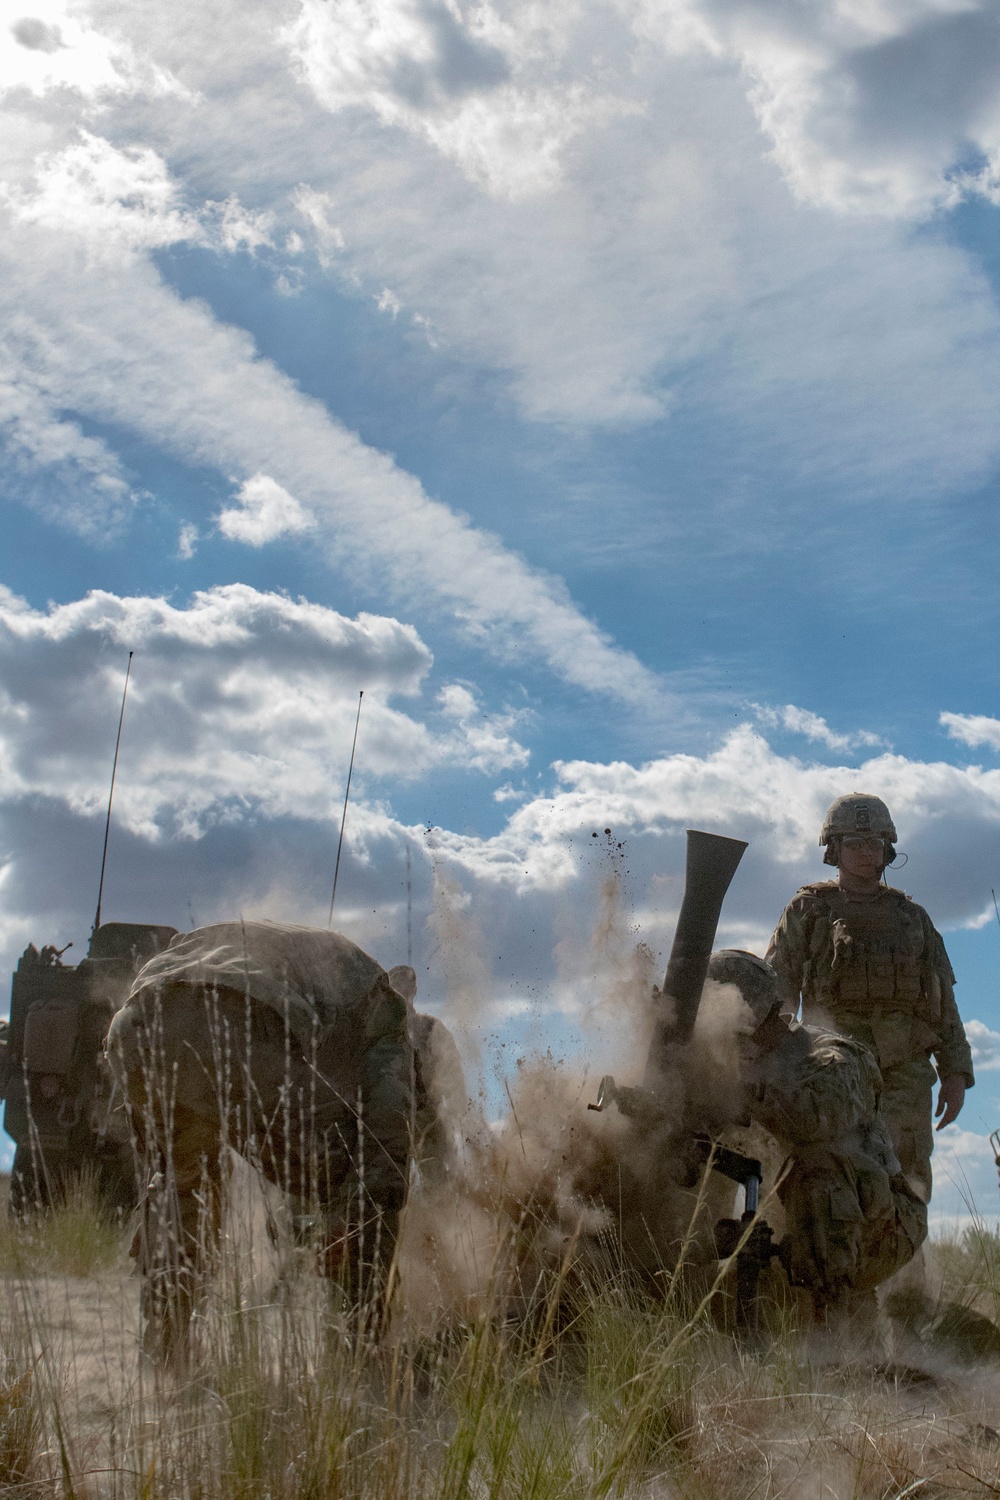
(111, 796)
(343, 816)
(995, 907)
(409, 909)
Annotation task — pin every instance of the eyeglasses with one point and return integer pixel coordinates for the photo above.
(868, 842)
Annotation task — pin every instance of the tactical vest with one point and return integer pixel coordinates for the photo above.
(871, 970)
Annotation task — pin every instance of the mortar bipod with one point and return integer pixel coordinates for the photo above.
(749, 1238)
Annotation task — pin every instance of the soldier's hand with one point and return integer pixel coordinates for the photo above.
(951, 1097)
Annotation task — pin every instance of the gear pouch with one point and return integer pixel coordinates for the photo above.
(50, 1030)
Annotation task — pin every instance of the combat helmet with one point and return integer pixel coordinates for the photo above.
(858, 812)
(753, 977)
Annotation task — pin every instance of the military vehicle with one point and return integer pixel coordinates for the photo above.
(62, 1108)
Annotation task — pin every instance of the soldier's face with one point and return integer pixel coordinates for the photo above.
(862, 855)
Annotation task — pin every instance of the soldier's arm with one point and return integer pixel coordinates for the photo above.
(828, 1094)
(386, 1079)
(787, 955)
(953, 1054)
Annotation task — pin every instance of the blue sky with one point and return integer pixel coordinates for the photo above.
(612, 391)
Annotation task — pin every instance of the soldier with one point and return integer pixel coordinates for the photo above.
(852, 1219)
(288, 1044)
(867, 961)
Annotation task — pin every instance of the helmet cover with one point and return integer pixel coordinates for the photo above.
(858, 812)
(753, 977)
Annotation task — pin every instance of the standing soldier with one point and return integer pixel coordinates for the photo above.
(868, 962)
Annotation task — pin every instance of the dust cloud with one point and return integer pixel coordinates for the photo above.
(550, 1178)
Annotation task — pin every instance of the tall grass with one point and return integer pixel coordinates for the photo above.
(81, 1238)
(594, 1392)
(969, 1264)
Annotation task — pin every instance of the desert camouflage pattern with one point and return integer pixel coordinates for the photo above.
(858, 812)
(289, 1045)
(875, 969)
(852, 1219)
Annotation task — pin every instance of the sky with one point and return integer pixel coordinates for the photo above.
(608, 391)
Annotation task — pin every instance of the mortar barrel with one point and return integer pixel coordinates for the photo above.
(711, 864)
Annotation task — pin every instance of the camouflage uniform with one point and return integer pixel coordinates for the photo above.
(289, 1045)
(875, 969)
(852, 1219)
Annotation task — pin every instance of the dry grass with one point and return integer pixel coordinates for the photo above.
(605, 1396)
(81, 1239)
(969, 1265)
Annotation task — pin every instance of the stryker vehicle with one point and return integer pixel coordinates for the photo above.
(62, 1111)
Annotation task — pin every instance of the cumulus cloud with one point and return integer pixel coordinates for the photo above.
(624, 317)
(813, 726)
(265, 512)
(972, 729)
(52, 46)
(948, 817)
(985, 1046)
(486, 738)
(870, 108)
(241, 706)
(965, 1180)
(187, 539)
(457, 75)
(236, 745)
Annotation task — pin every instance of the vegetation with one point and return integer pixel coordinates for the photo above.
(969, 1264)
(596, 1394)
(82, 1239)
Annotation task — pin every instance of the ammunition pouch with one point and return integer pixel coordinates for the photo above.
(50, 1034)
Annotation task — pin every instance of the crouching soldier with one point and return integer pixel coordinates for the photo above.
(852, 1219)
(290, 1046)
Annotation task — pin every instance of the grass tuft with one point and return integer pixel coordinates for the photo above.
(77, 1237)
(591, 1391)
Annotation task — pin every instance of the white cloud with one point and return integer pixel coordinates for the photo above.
(985, 1046)
(51, 46)
(972, 729)
(692, 290)
(241, 706)
(948, 817)
(965, 1179)
(266, 511)
(458, 76)
(387, 301)
(487, 740)
(871, 108)
(46, 452)
(129, 352)
(186, 540)
(813, 726)
(126, 201)
(665, 267)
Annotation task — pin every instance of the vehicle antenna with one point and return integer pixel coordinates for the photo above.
(409, 910)
(995, 907)
(111, 794)
(343, 816)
